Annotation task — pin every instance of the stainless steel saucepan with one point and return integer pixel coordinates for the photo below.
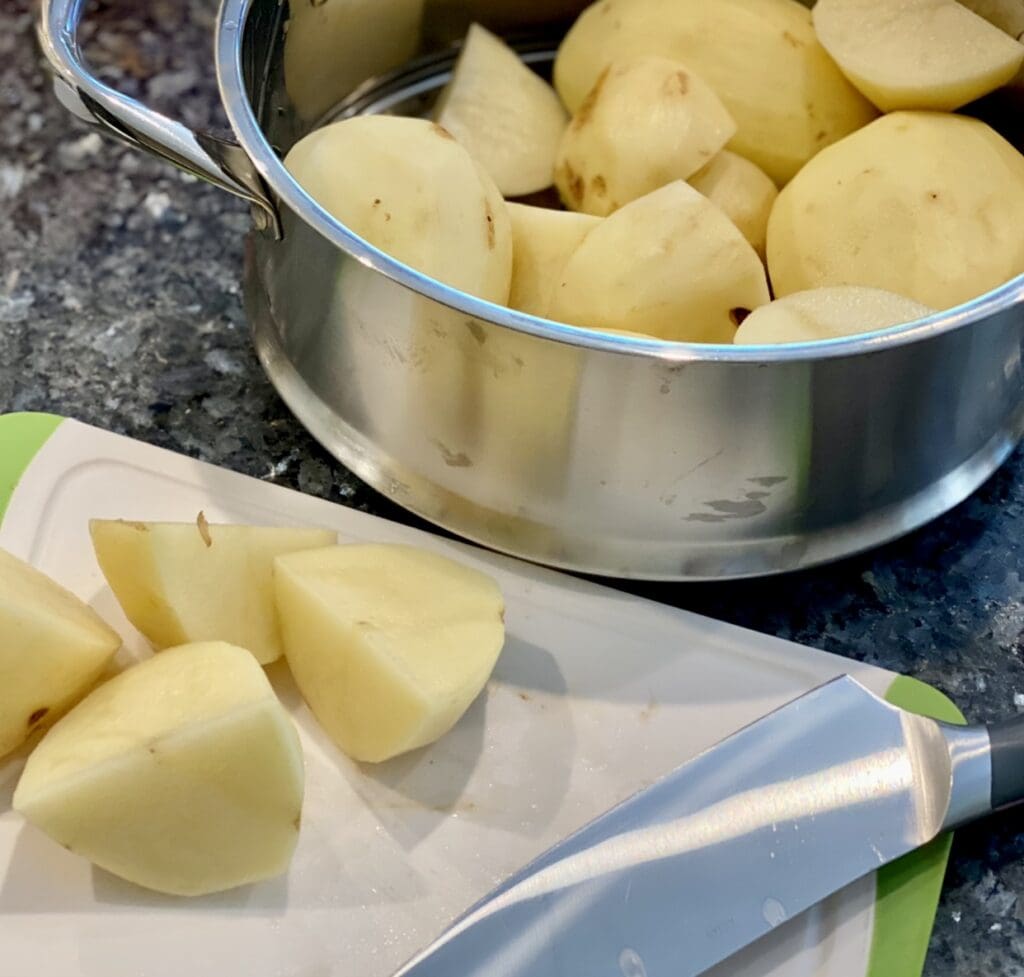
(594, 452)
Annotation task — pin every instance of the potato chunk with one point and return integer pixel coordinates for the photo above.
(543, 240)
(669, 265)
(761, 57)
(743, 191)
(182, 774)
(827, 313)
(183, 582)
(388, 644)
(410, 189)
(916, 54)
(53, 647)
(646, 122)
(923, 204)
(507, 116)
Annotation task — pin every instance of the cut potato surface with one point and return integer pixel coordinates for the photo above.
(53, 648)
(827, 313)
(924, 204)
(761, 57)
(184, 582)
(388, 644)
(507, 116)
(646, 122)
(542, 240)
(332, 46)
(410, 189)
(743, 191)
(916, 54)
(669, 265)
(183, 774)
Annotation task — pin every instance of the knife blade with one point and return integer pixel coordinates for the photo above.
(731, 844)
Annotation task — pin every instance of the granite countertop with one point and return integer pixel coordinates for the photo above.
(119, 305)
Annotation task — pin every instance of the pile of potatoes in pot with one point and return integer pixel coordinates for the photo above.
(744, 171)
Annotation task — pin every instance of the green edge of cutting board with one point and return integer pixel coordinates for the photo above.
(907, 893)
(908, 890)
(21, 437)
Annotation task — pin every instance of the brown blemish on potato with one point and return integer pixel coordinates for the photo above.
(586, 109)
(678, 83)
(792, 40)
(387, 216)
(297, 821)
(525, 696)
(598, 186)
(376, 201)
(151, 750)
(933, 194)
(442, 131)
(476, 331)
(573, 183)
(38, 716)
(453, 459)
(140, 527)
(737, 315)
(204, 529)
(489, 220)
(820, 136)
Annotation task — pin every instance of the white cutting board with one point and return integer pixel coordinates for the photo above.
(596, 694)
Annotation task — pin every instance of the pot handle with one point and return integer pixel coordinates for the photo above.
(219, 161)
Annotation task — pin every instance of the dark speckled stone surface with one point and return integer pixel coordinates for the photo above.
(119, 305)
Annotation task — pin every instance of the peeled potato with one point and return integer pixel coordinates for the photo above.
(183, 582)
(646, 122)
(53, 648)
(916, 54)
(332, 46)
(669, 265)
(542, 242)
(743, 191)
(509, 118)
(923, 204)
(761, 57)
(827, 313)
(182, 774)
(388, 644)
(409, 189)
(1007, 15)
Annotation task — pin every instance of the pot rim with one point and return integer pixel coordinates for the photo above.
(230, 79)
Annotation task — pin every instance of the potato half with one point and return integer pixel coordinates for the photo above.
(410, 189)
(827, 313)
(924, 204)
(669, 265)
(646, 122)
(916, 54)
(509, 118)
(761, 57)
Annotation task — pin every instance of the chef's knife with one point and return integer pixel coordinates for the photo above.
(745, 836)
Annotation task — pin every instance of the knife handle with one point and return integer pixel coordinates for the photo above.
(1007, 741)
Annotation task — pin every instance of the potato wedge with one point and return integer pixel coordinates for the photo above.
(508, 117)
(916, 54)
(923, 204)
(182, 774)
(184, 582)
(53, 647)
(542, 242)
(743, 191)
(409, 189)
(827, 313)
(334, 45)
(669, 265)
(388, 644)
(646, 122)
(761, 57)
